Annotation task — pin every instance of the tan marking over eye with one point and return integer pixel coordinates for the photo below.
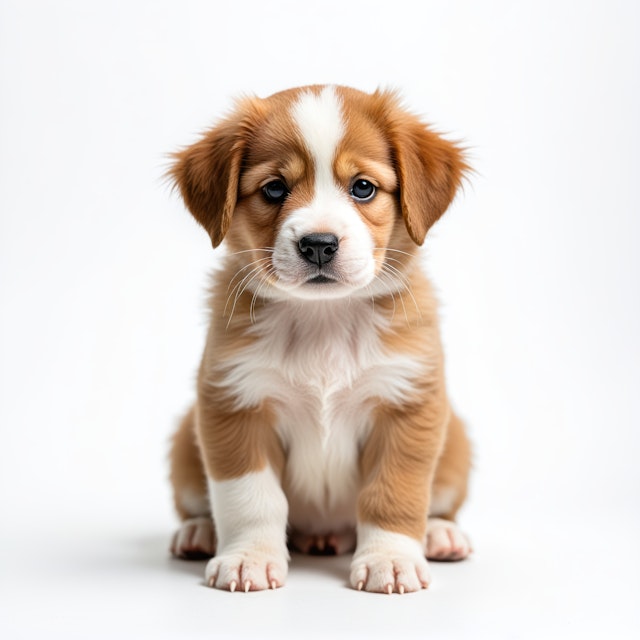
(294, 170)
(290, 171)
(348, 168)
(254, 177)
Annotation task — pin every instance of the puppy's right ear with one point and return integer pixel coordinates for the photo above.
(207, 173)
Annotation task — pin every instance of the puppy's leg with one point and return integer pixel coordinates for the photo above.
(398, 463)
(195, 539)
(445, 541)
(451, 479)
(243, 460)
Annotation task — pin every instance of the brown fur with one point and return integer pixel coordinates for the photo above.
(187, 471)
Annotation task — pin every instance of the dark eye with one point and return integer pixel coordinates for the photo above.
(275, 191)
(363, 190)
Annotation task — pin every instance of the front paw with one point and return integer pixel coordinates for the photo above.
(250, 570)
(388, 562)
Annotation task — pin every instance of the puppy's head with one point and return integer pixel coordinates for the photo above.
(327, 190)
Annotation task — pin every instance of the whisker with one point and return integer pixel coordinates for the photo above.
(247, 266)
(411, 255)
(393, 299)
(239, 291)
(265, 281)
(389, 277)
(235, 253)
(403, 279)
(261, 281)
(394, 260)
(236, 288)
(373, 300)
(396, 272)
(386, 280)
(257, 265)
(388, 259)
(256, 274)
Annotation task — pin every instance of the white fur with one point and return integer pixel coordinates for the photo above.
(324, 367)
(320, 122)
(388, 561)
(248, 509)
(250, 513)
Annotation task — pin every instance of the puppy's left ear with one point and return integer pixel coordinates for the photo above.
(430, 170)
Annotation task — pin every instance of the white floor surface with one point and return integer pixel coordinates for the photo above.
(543, 581)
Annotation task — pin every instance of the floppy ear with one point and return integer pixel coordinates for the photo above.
(207, 172)
(430, 170)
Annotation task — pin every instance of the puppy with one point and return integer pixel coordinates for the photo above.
(322, 421)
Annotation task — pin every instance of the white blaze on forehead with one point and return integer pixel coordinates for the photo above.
(319, 119)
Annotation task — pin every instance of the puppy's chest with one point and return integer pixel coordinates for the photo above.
(322, 365)
(310, 360)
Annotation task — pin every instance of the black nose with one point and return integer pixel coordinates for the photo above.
(318, 248)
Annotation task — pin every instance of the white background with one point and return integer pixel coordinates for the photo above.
(102, 306)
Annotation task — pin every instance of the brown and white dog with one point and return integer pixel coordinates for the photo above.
(322, 420)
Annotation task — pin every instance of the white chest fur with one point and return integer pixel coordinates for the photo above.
(324, 366)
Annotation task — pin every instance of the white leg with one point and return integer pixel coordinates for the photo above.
(385, 562)
(250, 513)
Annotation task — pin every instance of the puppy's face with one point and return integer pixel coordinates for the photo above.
(321, 192)
(319, 195)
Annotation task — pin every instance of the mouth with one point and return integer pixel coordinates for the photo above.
(319, 280)
(320, 286)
